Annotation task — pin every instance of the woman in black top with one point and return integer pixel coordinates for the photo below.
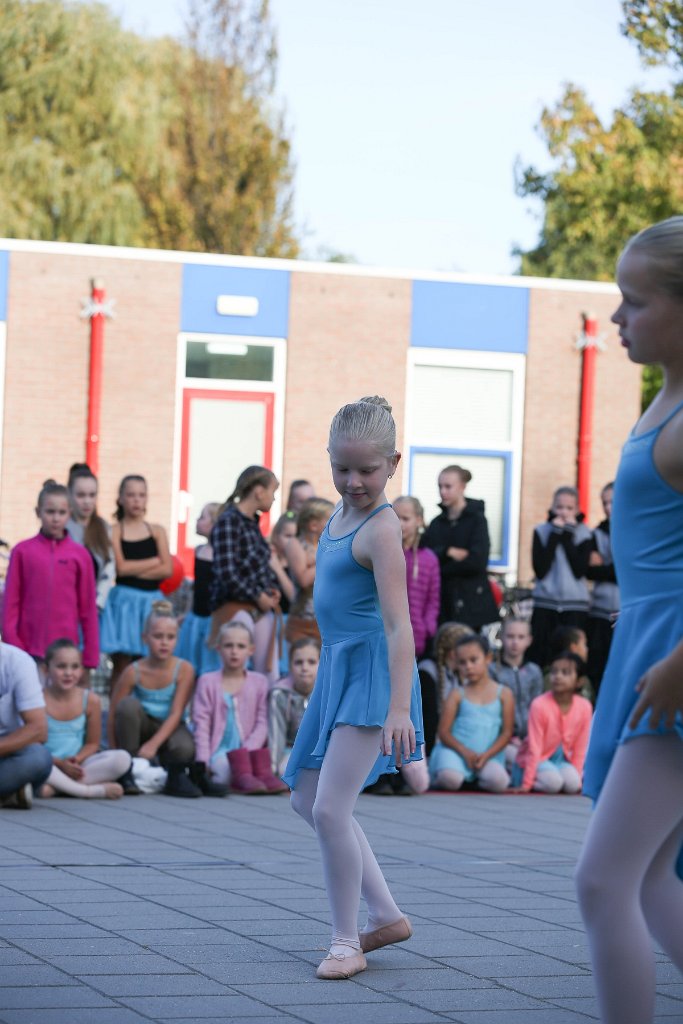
(459, 537)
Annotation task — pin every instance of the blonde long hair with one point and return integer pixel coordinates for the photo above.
(420, 513)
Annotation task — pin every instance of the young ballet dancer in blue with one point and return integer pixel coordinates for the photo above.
(364, 713)
(626, 878)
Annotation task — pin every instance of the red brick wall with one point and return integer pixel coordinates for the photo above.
(551, 420)
(46, 383)
(348, 337)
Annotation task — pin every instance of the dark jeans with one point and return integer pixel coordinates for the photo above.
(133, 727)
(30, 764)
(544, 622)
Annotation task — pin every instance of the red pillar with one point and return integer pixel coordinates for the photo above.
(585, 451)
(97, 316)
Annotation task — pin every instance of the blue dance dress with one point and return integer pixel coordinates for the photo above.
(647, 541)
(352, 686)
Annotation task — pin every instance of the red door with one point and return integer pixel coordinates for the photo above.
(223, 432)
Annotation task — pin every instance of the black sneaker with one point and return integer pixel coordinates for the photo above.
(179, 783)
(200, 777)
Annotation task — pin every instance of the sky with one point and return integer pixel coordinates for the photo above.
(407, 119)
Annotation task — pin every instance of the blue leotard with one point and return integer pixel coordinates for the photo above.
(647, 541)
(353, 685)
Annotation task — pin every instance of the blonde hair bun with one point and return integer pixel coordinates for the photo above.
(376, 400)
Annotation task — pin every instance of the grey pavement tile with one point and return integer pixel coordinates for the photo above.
(49, 997)
(311, 991)
(348, 1012)
(181, 984)
(547, 1015)
(56, 1015)
(143, 962)
(571, 986)
(32, 975)
(169, 1007)
(270, 1017)
(54, 932)
(513, 966)
(9, 955)
(664, 1006)
(241, 953)
(264, 974)
(457, 1000)
(417, 979)
(50, 948)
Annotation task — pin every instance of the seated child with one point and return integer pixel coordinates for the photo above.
(574, 639)
(229, 712)
(525, 679)
(74, 730)
(149, 700)
(438, 676)
(475, 725)
(288, 699)
(551, 758)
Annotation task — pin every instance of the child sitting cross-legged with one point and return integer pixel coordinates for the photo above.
(74, 730)
(551, 758)
(229, 712)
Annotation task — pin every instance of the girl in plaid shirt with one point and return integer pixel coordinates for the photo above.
(243, 584)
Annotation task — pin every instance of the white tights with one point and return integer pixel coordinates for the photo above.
(326, 800)
(492, 777)
(626, 879)
(564, 779)
(107, 766)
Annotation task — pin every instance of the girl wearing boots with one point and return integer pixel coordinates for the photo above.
(149, 701)
(230, 716)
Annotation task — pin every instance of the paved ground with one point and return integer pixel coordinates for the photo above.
(157, 909)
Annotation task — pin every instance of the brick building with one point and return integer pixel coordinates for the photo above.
(214, 362)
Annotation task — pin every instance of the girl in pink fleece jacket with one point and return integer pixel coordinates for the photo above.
(50, 586)
(230, 717)
(551, 757)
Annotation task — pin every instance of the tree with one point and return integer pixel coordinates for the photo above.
(657, 28)
(110, 138)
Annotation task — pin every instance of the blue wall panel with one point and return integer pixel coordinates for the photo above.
(203, 284)
(4, 283)
(480, 317)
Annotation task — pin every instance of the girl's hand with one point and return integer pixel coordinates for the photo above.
(265, 602)
(661, 693)
(479, 762)
(458, 554)
(595, 559)
(72, 768)
(469, 757)
(147, 750)
(398, 732)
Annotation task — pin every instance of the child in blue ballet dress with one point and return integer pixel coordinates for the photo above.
(364, 717)
(627, 883)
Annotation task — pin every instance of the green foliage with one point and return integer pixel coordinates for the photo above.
(611, 180)
(657, 28)
(111, 138)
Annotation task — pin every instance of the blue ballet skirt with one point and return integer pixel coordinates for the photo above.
(192, 644)
(647, 541)
(123, 619)
(352, 686)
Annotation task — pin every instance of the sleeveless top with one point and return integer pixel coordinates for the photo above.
(201, 605)
(157, 703)
(647, 543)
(65, 739)
(135, 551)
(478, 726)
(353, 684)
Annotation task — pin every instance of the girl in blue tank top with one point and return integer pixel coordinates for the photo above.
(74, 730)
(627, 882)
(364, 716)
(147, 710)
(475, 726)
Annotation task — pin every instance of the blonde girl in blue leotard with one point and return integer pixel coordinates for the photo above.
(364, 711)
(627, 882)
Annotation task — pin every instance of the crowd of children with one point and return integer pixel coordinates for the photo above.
(216, 695)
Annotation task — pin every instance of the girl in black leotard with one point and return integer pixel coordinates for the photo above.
(142, 562)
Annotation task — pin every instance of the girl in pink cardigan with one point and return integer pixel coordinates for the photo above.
(230, 716)
(551, 757)
(50, 586)
(423, 574)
